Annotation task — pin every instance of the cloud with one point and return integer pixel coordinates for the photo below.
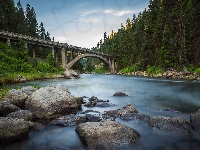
(120, 13)
(84, 26)
(89, 12)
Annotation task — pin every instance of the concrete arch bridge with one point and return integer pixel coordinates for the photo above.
(64, 48)
(106, 60)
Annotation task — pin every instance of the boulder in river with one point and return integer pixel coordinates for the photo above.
(6, 108)
(22, 114)
(70, 74)
(120, 94)
(51, 102)
(170, 124)
(95, 102)
(127, 109)
(12, 129)
(21, 79)
(135, 116)
(195, 120)
(106, 135)
(18, 97)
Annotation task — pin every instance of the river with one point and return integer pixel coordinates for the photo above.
(147, 95)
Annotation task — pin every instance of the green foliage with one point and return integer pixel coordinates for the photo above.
(135, 67)
(11, 64)
(166, 35)
(153, 70)
(101, 70)
(51, 60)
(197, 71)
(45, 67)
(3, 92)
(78, 66)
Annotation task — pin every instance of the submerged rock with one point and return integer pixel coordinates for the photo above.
(195, 120)
(134, 116)
(12, 129)
(51, 101)
(120, 94)
(169, 124)
(95, 102)
(170, 110)
(106, 135)
(113, 114)
(69, 120)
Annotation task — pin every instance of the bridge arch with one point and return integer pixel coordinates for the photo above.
(103, 59)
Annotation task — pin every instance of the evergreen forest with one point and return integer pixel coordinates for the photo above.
(164, 35)
(15, 58)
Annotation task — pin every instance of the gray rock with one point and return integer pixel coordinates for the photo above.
(74, 74)
(170, 110)
(195, 120)
(6, 108)
(21, 79)
(95, 102)
(106, 135)
(28, 90)
(134, 116)
(113, 114)
(69, 120)
(51, 101)
(128, 109)
(169, 124)
(70, 74)
(12, 129)
(18, 97)
(22, 114)
(120, 94)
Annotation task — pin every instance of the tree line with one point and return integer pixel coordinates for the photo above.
(16, 58)
(16, 19)
(166, 34)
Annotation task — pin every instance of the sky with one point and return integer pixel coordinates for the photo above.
(83, 22)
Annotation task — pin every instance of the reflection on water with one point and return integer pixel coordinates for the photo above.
(147, 95)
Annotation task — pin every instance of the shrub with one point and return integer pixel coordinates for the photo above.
(153, 70)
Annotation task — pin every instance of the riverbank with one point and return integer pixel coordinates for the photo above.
(168, 74)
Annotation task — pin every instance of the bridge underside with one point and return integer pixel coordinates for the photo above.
(108, 60)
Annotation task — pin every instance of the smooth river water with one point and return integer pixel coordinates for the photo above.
(147, 95)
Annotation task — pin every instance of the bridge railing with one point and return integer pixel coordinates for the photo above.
(39, 41)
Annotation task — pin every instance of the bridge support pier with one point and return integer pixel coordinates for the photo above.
(53, 51)
(56, 56)
(33, 52)
(71, 55)
(63, 57)
(8, 41)
(113, 66)
(25, 45)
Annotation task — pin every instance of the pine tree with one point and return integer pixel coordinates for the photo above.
(41, 31)
(31, 21)
(21, 22)
(7, 15)
(196, 47)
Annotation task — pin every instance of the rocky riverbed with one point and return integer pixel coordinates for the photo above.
(29, 109)
(170, 73)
